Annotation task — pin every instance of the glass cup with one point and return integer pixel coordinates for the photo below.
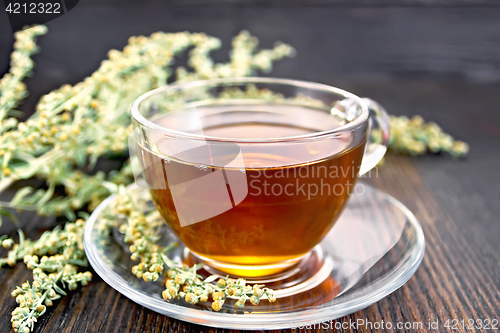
(251, 173)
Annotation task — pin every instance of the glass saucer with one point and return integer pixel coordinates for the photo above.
(373, 249)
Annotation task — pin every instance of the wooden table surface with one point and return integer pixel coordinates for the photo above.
(457, 202)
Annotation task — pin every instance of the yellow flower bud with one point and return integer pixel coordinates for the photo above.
(172, 291)
(254, 300)
(257, 292)
(217, 305)
(190, 298)
(166, 295)
(64, 136)
(6, 172)
(65, 116)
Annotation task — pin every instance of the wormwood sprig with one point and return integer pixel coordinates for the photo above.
(140, 229)
(12, 89)
(184, 283)
(55, 259)
(74, 126)
(416, 137)
(67, 242)
(33, 299)
(6, 241)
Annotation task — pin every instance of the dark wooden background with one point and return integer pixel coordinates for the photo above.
(439, 59)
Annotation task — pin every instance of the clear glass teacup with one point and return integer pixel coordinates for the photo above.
(252, 173)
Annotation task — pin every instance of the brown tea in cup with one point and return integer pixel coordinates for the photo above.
(252, 173)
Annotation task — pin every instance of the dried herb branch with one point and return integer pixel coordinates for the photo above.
(140, 229)
(415, 137)
(12, 89)
(72, 128)
(55, 259)
(75, 125)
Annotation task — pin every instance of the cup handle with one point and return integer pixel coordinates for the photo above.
(375, 147)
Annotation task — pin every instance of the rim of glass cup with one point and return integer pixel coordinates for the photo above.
(143, 121)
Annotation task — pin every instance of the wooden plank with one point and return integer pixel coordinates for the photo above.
(359, 42)
(453, 281)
